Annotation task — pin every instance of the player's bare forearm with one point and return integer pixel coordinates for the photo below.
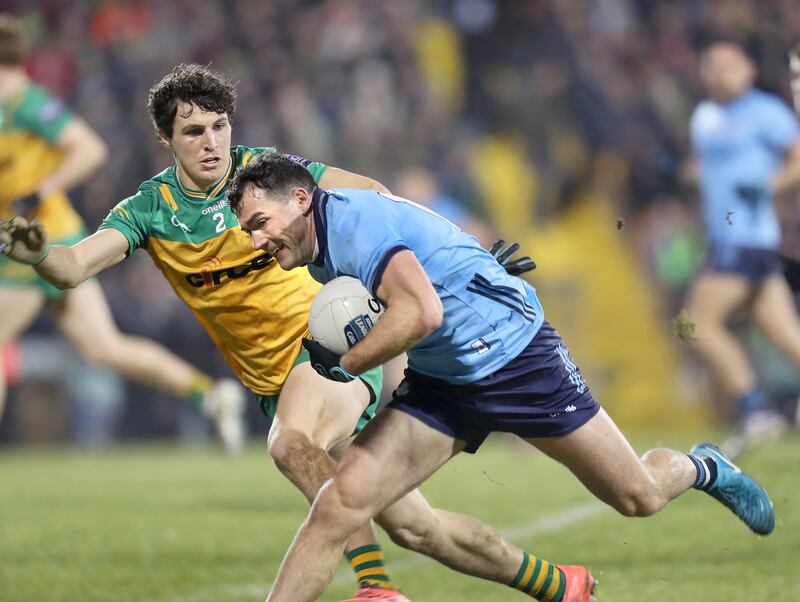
(413, 311)
(66, 267)
(60, 268)
(787, 178)
(398, 329)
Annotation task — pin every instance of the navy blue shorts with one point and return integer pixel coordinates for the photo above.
(540, 393)
(749, 262)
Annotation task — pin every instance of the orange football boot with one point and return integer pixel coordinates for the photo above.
(580, 584)
(369, 591)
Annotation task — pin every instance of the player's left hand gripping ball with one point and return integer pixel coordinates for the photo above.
(503, 256)
(326, 362)
(22, 241)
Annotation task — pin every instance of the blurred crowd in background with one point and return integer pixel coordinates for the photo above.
(454, 103)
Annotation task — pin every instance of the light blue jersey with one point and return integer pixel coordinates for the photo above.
(741, 143)
(489, 316)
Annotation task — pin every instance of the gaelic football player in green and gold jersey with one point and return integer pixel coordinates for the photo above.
(46, 150)
(254, 311)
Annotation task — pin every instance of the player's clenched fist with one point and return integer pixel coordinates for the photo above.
(23, 241)
(326, 362)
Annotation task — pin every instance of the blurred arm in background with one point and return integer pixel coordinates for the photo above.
(339, 178)
(794, 71)
(787, 178)
(84, 153)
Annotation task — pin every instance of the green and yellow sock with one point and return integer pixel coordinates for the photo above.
(367, 562)
(540, 579)
(198, 387)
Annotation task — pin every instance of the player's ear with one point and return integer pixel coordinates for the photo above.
(303, 197)
(164, 139)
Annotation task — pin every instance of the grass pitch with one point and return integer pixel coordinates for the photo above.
(162, 524)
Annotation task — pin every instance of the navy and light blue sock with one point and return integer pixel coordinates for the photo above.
(706, 471)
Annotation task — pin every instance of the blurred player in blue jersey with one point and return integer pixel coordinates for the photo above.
(747, 146)
(481, 359)
(791, 266)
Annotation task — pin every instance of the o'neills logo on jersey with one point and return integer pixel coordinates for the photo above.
(213, 277)
(215, 207)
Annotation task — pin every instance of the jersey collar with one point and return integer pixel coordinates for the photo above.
(218, 187)
(318, 203)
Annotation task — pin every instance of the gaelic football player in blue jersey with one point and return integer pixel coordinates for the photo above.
(747, 148)
(481, 358)
(255, 312)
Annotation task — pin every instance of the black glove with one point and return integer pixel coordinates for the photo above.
(503, 256)
(326, 362)
(26, 205)
(751, 193)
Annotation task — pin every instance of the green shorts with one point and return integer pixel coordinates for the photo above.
(14, 274)
(372, 378)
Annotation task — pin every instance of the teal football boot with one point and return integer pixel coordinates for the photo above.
(746, 499)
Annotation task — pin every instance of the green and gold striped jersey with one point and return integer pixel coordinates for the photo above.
(254, 311)
(30, 123)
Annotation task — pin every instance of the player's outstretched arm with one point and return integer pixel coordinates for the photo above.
(413, 311)
(339, 178)
(66, 267)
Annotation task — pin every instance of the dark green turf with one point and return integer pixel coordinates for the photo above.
(168, 524)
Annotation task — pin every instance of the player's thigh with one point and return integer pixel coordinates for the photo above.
(714, 296)
(389, 458)
(18, 308)
(600, 456)
(325, 411)
(85, 319)
(775, 313)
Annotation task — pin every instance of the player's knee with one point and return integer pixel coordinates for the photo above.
(638, 502)
(100, 352)
(288, 447)
(107, 350)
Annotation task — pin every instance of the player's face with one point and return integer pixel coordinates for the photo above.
(794, 69)
(726, 72)
(201, 142)
(282, 227)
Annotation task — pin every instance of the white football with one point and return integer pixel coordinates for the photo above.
(342, 314)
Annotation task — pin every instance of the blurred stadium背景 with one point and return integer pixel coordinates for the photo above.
(545, 121)
(560, 124)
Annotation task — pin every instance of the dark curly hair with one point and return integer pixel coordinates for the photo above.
(196, 84)
(271, 172)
